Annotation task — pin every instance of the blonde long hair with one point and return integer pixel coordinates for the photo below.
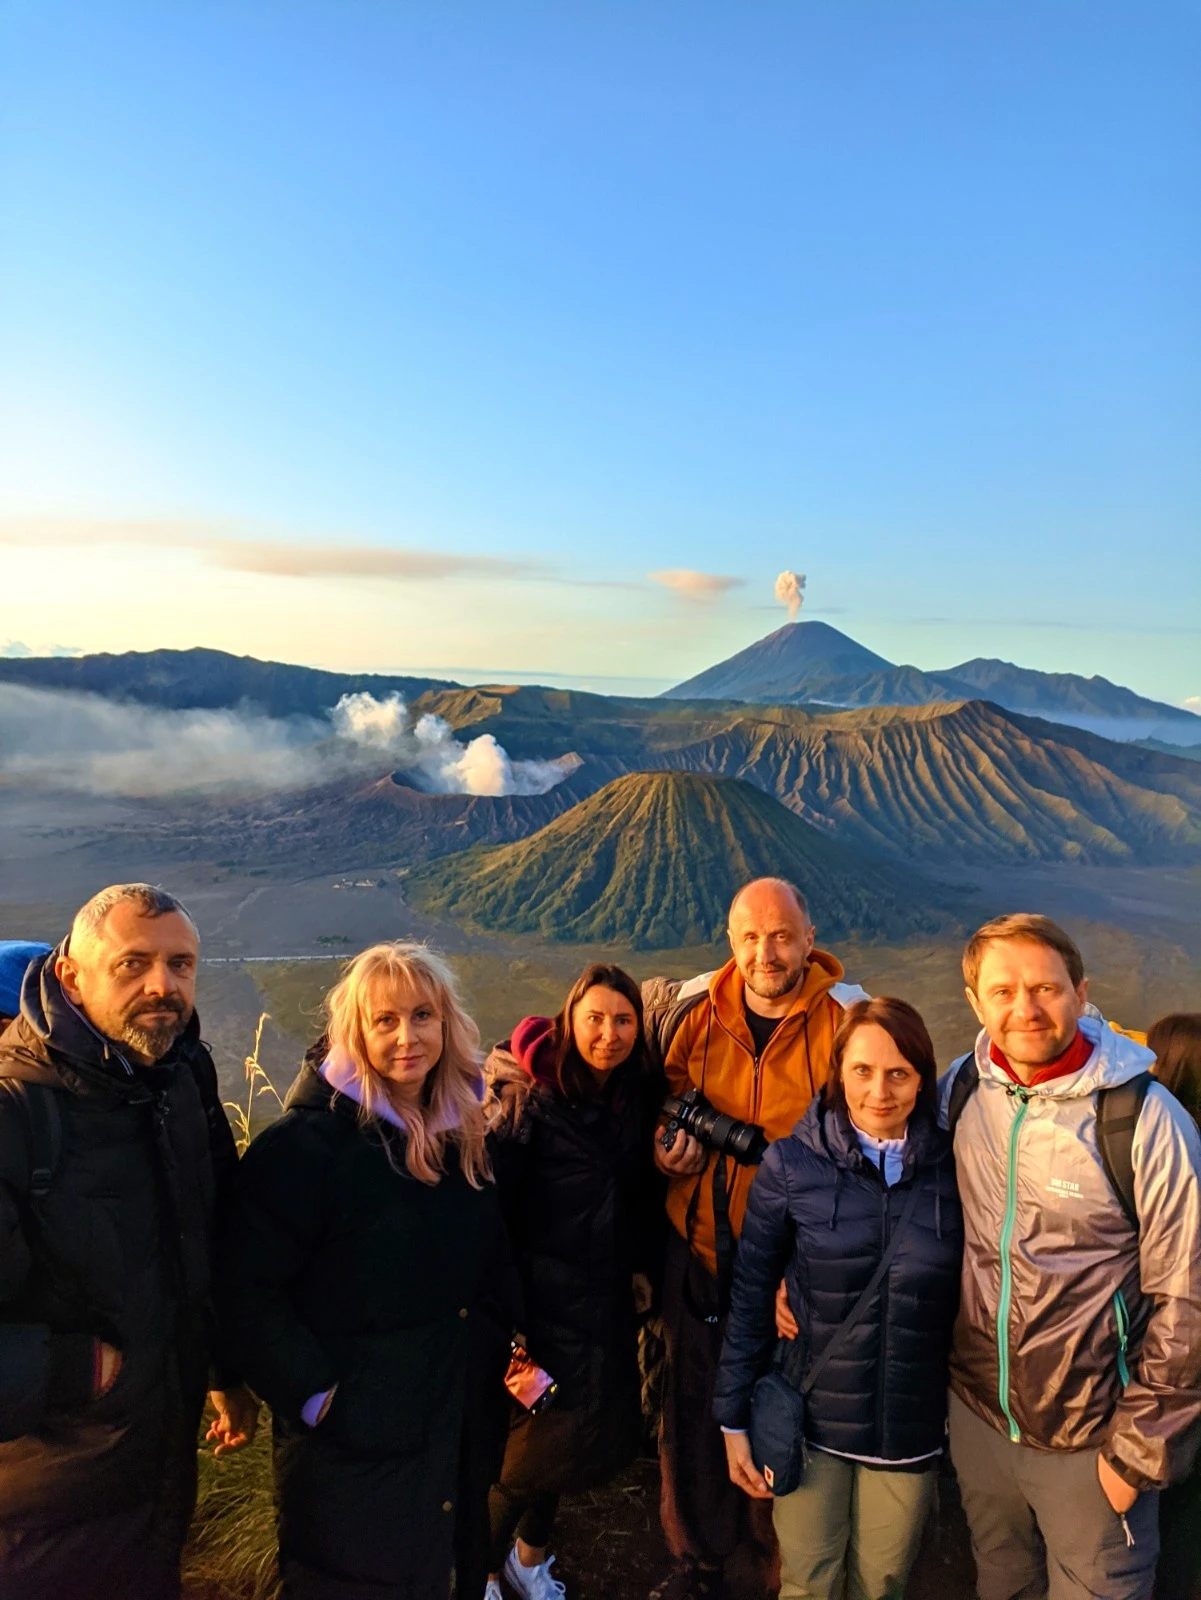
(450, 1111)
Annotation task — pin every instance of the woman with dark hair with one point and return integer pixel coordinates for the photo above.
(571, 1110)
(861, 1193)
(1176, 1041)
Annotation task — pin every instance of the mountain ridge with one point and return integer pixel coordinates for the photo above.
(203, 679)
(961, 781)
(807, 662)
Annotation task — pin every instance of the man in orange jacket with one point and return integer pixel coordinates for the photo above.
(757, 1046)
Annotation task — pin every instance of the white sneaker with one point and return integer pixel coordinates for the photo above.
(493, 1590)
(533, 1583)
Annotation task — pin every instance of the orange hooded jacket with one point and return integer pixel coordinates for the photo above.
(713, 1050)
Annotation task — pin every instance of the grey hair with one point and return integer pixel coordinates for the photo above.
(150, 900)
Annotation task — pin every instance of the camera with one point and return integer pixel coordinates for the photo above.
(745, 1141)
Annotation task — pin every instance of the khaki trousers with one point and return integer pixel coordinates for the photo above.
(851, 1529)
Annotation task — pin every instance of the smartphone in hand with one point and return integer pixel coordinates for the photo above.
(529, 1385)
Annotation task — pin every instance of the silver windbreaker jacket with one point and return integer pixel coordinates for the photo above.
(1074, 1330)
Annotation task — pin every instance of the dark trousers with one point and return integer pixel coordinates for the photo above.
(125, 1556)
(299, 1581)
(1041, 1525)
(704, 1516)
(531, 1520)
(1180, 1540)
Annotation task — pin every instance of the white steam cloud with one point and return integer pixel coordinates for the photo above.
(434, 758)
(790, 592)
(65, 740)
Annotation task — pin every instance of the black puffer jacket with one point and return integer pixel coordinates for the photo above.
(118, 1249)
(583, 1207)
(820, 1214)
(343, 1269)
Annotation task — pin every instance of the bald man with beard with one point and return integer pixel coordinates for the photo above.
(754, 1038)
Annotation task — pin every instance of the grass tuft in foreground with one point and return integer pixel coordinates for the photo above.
(231, 1554)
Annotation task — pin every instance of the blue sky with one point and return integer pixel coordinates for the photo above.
(538, 300)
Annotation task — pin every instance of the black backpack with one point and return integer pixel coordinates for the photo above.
(1117, 1116)
(43, 1131)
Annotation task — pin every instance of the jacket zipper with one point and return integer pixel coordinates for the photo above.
(1123, 1321)
(881, 1360)
(757, 1061)
(1003, 1303)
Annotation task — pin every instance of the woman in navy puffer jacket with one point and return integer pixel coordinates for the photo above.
(822, 1210)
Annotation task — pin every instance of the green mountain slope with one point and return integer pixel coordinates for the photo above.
(653, 859)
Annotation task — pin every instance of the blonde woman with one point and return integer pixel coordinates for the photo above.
(356, 1264)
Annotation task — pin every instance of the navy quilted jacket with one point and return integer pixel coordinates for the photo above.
(820, 1215)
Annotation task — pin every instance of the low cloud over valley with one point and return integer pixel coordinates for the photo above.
(57, 739)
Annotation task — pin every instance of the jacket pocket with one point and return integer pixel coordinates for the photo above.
(391, 1387)
(1122, 1319)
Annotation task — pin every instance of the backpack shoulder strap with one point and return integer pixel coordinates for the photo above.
(44, 1129)
(667, 1002)
(1117, 1117)
(963, 1087)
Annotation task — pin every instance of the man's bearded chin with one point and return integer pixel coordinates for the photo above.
(771, 985)
(154, 1042)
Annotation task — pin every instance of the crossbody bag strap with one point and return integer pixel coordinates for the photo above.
(865, 1299)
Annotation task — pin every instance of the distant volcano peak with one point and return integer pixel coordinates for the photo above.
(782, 665)
(811, 662)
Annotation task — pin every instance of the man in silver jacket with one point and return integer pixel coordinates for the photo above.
(1076, 1365)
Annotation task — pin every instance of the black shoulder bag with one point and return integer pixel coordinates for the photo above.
(777, 1431)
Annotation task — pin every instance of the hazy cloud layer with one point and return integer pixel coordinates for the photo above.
(62, 740)
(361, 561)
(271, 557)
(702, 586)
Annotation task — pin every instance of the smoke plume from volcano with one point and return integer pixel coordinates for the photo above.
(790, 592)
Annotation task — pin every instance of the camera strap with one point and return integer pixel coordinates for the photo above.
(723, 1233)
